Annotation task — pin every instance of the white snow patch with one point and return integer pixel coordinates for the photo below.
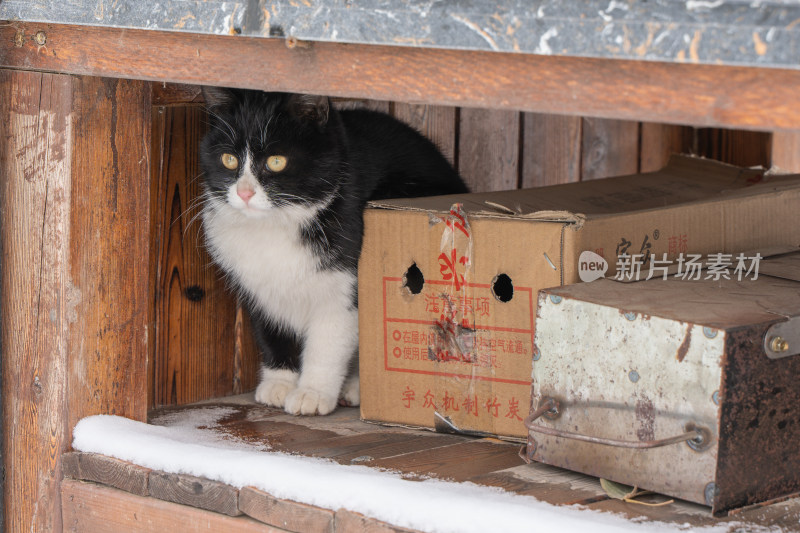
(430, 505)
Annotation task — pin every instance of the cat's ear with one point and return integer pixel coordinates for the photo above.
(217, 96)
(310, 108)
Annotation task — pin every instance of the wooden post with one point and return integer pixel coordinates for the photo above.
(75, 212)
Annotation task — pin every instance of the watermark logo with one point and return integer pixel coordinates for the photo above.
(716, 267)
(591, 266)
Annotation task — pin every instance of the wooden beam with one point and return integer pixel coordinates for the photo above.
(106, 470)
(701, 95)
(196, 492)
(90, 507)
(73, 173)
(290, 515)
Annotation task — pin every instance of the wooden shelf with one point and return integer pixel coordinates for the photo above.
(121, 488)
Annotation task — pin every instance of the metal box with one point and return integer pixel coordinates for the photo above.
(687, 388)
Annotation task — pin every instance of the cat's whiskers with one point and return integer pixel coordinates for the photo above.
(231, 133)
(264, 132)
(196, 203)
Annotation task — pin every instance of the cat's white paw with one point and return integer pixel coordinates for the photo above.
(351, 392)
(273, 391)
(307, 401)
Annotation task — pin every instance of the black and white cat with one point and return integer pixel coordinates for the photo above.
(286, 180)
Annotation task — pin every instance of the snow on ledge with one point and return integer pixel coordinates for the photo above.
(429, 506)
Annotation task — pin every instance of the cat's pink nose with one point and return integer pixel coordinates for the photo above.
(245, 194)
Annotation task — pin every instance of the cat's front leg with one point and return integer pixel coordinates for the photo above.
(331, 342)
(275, 386)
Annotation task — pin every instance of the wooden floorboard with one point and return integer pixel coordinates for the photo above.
(342, 437)
(91, 508)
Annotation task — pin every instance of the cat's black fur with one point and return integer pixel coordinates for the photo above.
(337, 160)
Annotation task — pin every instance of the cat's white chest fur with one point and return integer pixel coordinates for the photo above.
(282, 275)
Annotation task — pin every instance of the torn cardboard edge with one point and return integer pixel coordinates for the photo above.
(684, 181)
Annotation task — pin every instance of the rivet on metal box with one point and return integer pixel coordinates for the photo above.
(687, 388)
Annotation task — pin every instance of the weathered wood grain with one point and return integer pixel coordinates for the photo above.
(106, 470)
(352, 522)
(740, 148)
(437, 123)
(786, 150)
(660, 141)
(176, 94)
(488, 149)
(89, 507)
(458, 462)
(609, 148)
(74, 195)
(545, 483)
(749, 98)
(38, 298)
(198, 351)
(109, 245)
(285, 514)
(195, 492)
(551, 149)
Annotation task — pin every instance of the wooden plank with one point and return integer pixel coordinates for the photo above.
(488, 149)
(285, 514)
(546, 483)
(609, 148)
(106, 470)
(740, 148)
(195, 353)
(367, 447)
(458, 462)
(660, 141)
(786, 150)
(437, 123)
(352, 522)
(675, 93)
(196, 492)
(779, 516)
(551, 149)
(109, 249)
(75, 170)
(278, 435)
(176, 94)
(89, 507)
(362, 103)
(37, 295)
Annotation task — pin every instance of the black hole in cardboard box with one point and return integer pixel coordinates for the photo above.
(413, 279)
(503, 288)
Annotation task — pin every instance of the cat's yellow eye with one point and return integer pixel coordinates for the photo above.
(276, 163)
(230, 161)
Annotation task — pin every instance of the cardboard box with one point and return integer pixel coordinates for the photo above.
(448, 285)
(624, 367)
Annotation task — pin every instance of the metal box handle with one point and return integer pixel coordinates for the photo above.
(698, 438)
